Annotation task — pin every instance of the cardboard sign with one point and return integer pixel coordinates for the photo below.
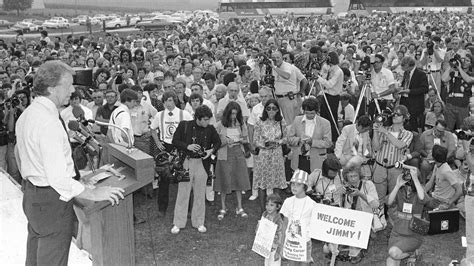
(341, 226)
(262, 245)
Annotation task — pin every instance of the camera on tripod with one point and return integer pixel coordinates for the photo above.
(364, 68)
(268, 79)
(463, 135)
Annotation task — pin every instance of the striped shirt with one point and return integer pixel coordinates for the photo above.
(388, 154)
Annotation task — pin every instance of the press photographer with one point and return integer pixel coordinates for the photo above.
(198, 140)
(332, 89)
(285, 86)
(432, 60)
(458, 80)
(383, 85)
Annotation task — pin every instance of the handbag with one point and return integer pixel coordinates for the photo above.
(379, 222)
(419, 225)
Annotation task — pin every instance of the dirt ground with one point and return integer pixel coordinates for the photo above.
(229, 241)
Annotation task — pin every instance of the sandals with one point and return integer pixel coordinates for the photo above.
(240, 212)
(221, 215)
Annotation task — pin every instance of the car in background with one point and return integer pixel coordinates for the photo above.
(121, 22)
(56, 23)
(157, 24)
(5, 24)
(82, 19)
(25, 27)
(34, 21)
(100, 17)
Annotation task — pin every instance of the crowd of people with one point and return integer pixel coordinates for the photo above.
(322, 108)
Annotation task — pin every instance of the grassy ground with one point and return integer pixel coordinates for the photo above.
(229, 241)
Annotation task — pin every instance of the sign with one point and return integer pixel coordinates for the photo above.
(341, 226)
(262, 245)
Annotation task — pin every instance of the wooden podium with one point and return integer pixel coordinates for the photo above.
(109, 229)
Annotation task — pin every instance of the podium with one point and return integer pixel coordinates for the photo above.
(109, 230)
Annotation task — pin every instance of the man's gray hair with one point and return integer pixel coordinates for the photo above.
(48, 75)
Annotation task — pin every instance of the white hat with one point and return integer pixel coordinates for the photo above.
(300, 177)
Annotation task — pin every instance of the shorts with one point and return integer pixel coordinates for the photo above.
(405, 243)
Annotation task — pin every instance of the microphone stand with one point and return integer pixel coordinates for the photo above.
(129, 140)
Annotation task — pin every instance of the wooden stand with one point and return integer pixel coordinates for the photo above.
(110, 228)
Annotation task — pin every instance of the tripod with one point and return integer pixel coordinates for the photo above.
(367, 88)
(429, 73)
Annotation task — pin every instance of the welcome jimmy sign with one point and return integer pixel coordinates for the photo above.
(341, 226)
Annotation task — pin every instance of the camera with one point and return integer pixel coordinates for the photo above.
(463, 135)
(385, 118)
(317, 197)
(13, 101)
(454, 62)
(173, 164)
(350, 189)
(430, 47)
(406, 176)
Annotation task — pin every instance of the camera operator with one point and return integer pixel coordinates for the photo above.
(198, 140)
(447, 189)
(390, 144)
(285, 86)
(428, 139)
(432, 60)
(354, 140)
(383, 85)
(332, 88)
(459, 91)
(16, 105)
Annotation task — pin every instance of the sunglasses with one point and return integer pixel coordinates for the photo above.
(271, 108)
(397, 114)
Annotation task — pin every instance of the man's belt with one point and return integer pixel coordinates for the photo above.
(434, 71)
(291, 95)
(144, 135)
(456, 95)
(386, 166)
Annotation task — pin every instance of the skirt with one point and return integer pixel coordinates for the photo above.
(232, 174)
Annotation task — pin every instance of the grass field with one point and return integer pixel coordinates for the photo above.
(229, 242)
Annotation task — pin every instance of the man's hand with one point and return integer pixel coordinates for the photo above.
(160, 145)
(112, 194)
(381, 130)
(374, 95)
(193, 147)
(404, 91)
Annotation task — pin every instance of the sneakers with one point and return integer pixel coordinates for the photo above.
(174, 230)
(253, 197)
(201, 229)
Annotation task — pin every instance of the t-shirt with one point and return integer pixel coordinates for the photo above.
(445, 179)
(170, 123)
(121, 117)
(298, 211)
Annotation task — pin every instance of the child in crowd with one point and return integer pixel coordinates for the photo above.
(272, 213)
(297, 217)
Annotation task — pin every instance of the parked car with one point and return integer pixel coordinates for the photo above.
(5, 24)
(56, 23)
(81, 19)
(121, 22)
(25, 27)
(100, 17)
(157, 24)
(33, 20)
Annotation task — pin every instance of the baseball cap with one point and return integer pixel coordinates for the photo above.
(159, 75)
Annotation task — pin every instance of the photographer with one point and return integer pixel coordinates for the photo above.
(408, 199)
(332, 88)
(360, 195)
(390, 144)
(447, 189)
(16, 105)
(432, 59)
(383, 85)
(459, 91)
(163, 127)
(198, 140)
(285, 86)
(354, 140)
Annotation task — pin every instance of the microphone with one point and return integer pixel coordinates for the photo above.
(84, 137)
(130, 145)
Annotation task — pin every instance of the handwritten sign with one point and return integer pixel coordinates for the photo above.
(341, 226)
(263, 242)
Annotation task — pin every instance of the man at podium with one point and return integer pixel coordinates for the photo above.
(45, 162)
